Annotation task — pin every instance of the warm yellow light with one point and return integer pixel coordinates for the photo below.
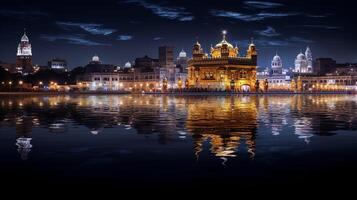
(10, 83)
(20, 82)
(40, 83)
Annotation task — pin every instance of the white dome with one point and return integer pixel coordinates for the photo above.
(276, 58)
(301, 56)
(182, 54)
(24, 38)
(95, 58)
(127, 65)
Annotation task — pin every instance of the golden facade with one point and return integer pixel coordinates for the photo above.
(224, 69)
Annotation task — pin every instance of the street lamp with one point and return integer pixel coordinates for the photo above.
(232, 85)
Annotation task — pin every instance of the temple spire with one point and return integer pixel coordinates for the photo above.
(224, 33)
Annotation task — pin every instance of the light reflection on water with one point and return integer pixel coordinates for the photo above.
(224, 126)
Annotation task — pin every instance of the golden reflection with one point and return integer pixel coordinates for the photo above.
(225, 123)
(228, 124)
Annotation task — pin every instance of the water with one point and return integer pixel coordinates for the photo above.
(135, 140)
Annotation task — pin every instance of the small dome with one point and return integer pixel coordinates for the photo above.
(301, 56)
(224, 41)
(127, 65)
(95, 58)
(182, 54)
(276, 58)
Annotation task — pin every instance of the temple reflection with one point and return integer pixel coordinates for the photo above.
(225, 124)
(229, 124)
(24, 136)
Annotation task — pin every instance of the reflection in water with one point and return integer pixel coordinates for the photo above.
(23, 147)
(224, 123)
(227, 124)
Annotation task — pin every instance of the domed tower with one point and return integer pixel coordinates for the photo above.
(95, 59)
(277, 65)
(301, 63)
(252, 50)
(224, 49)
(24, 56)
(197, 51)
(127, 65)
(309, 59)
(182, 54)
(182, 61)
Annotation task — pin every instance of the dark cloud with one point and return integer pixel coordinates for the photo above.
(124, 37)
(299, 40)
(269, 32)
(72, 39)
(262, 4)
(172, 13)
(95, 29)
(23, 15)
(157, 38)
(250, 17)
(322, 26)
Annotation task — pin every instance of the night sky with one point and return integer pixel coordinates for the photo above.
(119, 31)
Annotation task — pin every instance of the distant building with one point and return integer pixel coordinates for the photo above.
(181, 61)
(325, 65)
(10, 67)
(304, 62)
(146, 63)
(166, 56)
(24, 56)
(325, 83)
(277, 65)
(277, 77)
(96, 66)
(166, 61)
(58, 65)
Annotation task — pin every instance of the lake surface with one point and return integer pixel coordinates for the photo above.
(132, 140)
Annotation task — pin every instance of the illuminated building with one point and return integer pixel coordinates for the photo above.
(224, 69)
(304, 62)
(277, 77)
(99, 76)
(332, 83)
(24, 56)
(277, 65)
(181, 61)
(59, 65)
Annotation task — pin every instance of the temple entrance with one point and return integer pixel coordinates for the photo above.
(245, 88)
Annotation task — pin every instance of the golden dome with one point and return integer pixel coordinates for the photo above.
(224, 41)
(224, 47)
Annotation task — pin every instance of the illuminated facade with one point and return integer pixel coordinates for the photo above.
(278, 79)
(224, 69)
(304, 62)
(24, 56)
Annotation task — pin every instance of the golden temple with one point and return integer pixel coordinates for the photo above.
(224, 69)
